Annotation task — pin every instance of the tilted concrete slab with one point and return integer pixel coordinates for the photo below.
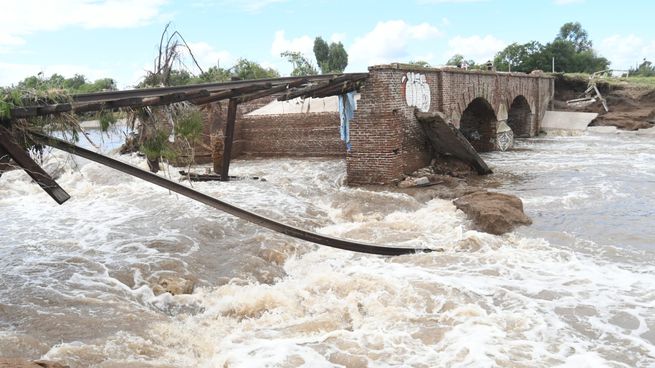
(446, 139)
(567, 120)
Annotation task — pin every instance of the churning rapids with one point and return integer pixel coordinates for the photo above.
(575, 289)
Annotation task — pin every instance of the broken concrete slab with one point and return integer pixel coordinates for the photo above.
(446, 139)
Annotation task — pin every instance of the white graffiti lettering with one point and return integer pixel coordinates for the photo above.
(417, 91)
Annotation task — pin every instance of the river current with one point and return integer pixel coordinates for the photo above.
(575, 289)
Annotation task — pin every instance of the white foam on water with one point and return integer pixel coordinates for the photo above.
(539, 297)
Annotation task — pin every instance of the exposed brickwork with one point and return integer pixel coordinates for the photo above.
(386, 139)
(307, 135)
(388, 142)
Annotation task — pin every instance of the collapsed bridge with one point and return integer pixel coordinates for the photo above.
(384, 138)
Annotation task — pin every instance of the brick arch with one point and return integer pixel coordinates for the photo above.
(519, 116)
(478, 124)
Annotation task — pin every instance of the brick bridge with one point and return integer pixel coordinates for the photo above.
(386, 139)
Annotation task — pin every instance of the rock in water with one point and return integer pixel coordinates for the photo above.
(174, 286)
(23, 363)
(493, 213)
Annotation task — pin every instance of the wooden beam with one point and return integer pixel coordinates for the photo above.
(214, 97)
(333, 90)
(47, 183)
(273, 90)
(332, 83)
(229, 138)
(224, 95)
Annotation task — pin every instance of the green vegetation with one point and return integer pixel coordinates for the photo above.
(648, 82)
(246, 69)
(332, 58)
(189, 125)
(301, 66)
(645, 69)
(458, 60)
(571, 49)
(65, 123)
(74, 85)
(635, 81)
(106, 119)
(420, 63)
(157, 146)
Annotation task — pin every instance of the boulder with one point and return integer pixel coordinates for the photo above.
(24, 363)
(493, 213)
(174, 286)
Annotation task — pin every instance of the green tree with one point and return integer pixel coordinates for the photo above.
(338, 59)
(213, 74)
(458, 59)
(301, 66)
(321, 52)
(645, 69)
(520, 58)
(77, 84)
(332, 58)
(574, 33)
(571, 50)
(421, 63)
(246, 69)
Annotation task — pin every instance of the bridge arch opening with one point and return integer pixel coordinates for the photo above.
(519, 117)
(478, 125)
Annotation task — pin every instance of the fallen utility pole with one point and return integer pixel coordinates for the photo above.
(224, 206)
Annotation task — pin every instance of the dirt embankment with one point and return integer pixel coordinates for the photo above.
(630, 107)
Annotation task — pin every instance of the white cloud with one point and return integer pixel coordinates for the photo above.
(303, 44)
(626, 51)
(207, 56)
(480, 49)
(21, 18)
(14, 73)
(389, 42)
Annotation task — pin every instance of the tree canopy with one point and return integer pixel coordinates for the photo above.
(301, 66)
(458, 60)
(332, 58)
(247, 69)
(573, 33)
(76, 84)
(571, 49)
(645, 69)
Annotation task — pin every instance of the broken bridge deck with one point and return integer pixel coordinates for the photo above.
(447, 139)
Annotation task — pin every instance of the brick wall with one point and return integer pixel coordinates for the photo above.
(386, 139)
(307, 135)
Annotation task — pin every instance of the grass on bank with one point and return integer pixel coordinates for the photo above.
(635, 81)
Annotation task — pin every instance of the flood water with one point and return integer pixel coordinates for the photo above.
(575, 289)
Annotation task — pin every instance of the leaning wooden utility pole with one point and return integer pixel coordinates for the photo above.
(229, 138)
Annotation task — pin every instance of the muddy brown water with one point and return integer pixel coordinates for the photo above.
(577, 288)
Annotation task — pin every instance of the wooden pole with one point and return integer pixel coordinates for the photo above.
(229, 138)
(45, 181)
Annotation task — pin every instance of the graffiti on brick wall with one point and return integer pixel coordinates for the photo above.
(416, 91)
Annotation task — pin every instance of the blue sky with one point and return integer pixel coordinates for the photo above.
(118, 38)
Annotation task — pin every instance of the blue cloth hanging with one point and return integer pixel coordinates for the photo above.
(347, 107)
